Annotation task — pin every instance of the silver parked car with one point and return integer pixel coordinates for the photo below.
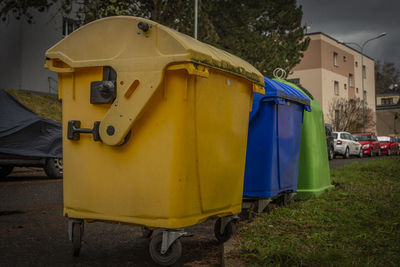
(346, 145)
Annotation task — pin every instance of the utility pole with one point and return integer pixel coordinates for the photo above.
(196, 3)
(361, 47)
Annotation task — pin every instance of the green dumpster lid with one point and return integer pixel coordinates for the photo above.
(118, 42)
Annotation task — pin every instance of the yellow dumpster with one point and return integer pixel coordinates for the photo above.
(154, 129)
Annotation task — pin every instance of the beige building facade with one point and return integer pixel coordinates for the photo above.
(332, 70)
(388, 113)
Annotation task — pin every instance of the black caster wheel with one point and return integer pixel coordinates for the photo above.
(284, 200)
(229, 230)
(77, 233)
(248, 210)
(246, 215)
(146, 232)
(171, 256)
(5, 170)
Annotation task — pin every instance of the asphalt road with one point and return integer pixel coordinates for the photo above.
(34, 232)
(339, 161)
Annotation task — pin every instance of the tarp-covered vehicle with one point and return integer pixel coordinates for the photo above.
(27, 139)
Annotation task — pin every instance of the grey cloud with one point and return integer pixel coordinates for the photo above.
(358, 21)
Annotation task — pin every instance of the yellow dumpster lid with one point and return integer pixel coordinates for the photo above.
(114, 41)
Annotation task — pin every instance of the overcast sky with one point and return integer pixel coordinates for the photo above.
(358, 21)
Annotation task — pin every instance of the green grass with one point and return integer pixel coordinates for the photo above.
(45, 105)
(355, 224)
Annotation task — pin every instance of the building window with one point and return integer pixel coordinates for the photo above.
(336, 87)
(336, 114)
(350, 80)
(69, 25)
(344, 58)
(294, 80)
(357, 90)
(387, 101)
(345, 86)
(356, 63)
(364, 71)
(335, 59)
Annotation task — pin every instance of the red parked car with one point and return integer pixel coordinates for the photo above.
(369, 142)
(389, 145)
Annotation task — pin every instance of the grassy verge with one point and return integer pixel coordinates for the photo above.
(45, 105)
(357, 223)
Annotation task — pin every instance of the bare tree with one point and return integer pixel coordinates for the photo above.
(347, 115)
(386, 75)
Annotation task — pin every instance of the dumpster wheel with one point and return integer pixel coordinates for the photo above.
(146, 232)
(223, 229)
(171, 255)
(76, 236)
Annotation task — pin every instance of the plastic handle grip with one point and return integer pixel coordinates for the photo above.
(74, 130)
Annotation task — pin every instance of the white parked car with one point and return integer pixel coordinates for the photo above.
(346, 145)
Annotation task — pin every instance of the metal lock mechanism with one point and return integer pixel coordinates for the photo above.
(104, 92)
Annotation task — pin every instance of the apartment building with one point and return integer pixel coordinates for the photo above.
(330, 70)
(388, 113)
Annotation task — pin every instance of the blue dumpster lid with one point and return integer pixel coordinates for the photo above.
(278, 92)
(281, 90)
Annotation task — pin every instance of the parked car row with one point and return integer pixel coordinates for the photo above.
(388, 145)
(346, 145)
(359, 144)
(370, 144)
(330, 141)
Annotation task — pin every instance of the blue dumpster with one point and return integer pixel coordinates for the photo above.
(273, 144)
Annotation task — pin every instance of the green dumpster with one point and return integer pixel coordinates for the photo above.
(314, 175)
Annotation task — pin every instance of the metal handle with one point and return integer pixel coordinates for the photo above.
(74, 130)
